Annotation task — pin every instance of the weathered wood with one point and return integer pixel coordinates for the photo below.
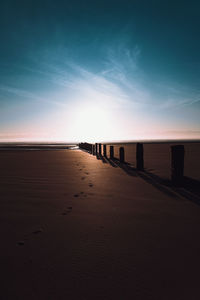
(96, 148)
(177, 164)
(104, 151)
(100, 149)
(86, 146)
(121, 154)
(139, 157)
(93, 150)
(111, 152)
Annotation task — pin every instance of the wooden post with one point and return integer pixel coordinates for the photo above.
(96, 148)
(177, 164)
(111, 152)
(139, 157)
(90, 148)
(104, 150)
(100, 149)
(93, 149)
(121, 154)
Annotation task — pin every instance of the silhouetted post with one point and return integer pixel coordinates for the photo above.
(139, 156)
(93, 149)
(177, 164)
(100, 149)
(104, 150)
(111, 152)
(121, 154)
(96, 148)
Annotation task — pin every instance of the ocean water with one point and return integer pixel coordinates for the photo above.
(35, 146)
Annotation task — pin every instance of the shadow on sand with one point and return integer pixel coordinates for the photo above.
(106, 160)
(190, 188)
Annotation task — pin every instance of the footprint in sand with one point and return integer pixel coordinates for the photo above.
(37, 231)
(26, 238)
(67, 211)
(82, 194)
(20, 243)
(64, 213)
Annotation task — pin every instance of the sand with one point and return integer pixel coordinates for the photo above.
(75, 227)
(157, 157)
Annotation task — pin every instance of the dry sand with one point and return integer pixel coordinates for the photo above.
(73, 227)
(157, 157)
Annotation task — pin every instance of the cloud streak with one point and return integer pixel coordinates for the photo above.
(27, 95)
(120, 80)
(118, 85)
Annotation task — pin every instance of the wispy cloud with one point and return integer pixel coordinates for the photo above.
(27, 95)
(118, 84)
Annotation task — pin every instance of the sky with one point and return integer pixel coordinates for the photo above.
(99, 70)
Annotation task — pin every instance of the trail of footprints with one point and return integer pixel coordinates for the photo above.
(66, 211)
(84, 177)
(81, 194)
(36, 232)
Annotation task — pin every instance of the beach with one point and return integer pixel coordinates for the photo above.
(157, 157)
(77, 227)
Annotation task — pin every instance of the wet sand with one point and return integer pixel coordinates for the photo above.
(75, 227)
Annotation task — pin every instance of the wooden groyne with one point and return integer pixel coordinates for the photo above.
(177, 157)
(86, 146)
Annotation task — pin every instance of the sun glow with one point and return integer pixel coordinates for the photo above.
(91, 123)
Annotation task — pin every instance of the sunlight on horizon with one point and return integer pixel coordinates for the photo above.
(86, 121)
(95, 114)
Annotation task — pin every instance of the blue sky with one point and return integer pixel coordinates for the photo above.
(99, 70)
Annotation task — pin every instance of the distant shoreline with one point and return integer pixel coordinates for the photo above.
(152, 142)
(64, 145)
(13, 147)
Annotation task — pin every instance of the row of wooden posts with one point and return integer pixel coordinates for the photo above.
(177, 157)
